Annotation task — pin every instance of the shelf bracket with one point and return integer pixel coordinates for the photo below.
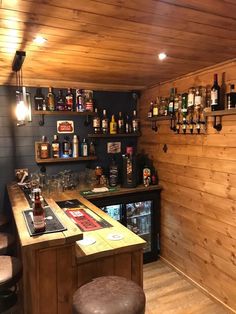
(41, 121)
(154, 126)
(217, 126)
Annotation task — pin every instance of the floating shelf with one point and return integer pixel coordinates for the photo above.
(60, 160)
(159, 118)
(113, 135)
(59, 113)
(220, 113)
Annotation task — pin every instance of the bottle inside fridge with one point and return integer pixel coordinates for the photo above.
(114, 211)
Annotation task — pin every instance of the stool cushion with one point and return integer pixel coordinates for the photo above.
(109, 295)
(10, 271)
(6, 242)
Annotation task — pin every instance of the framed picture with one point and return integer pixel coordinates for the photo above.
(113, 147)
(65, 126)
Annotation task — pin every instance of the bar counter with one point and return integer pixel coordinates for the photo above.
(56, 264)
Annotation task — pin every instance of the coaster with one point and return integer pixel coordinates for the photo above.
(87, 241)
(115, 236)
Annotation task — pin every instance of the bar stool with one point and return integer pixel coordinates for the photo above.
(109, 295)
(10, 273)
(6, 243)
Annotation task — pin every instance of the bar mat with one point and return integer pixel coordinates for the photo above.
(82, 216)
(53, 224)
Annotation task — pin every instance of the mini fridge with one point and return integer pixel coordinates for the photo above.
(140, 213)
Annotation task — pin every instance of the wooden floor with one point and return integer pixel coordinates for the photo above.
(167, 292)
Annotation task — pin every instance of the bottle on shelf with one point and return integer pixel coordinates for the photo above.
(105, 122)
(96, 122)
(38, 214)
(50, 99)
(113, 173)
(44, 148)
(176, 101)
(89, 102)
(197, 108)
(146, 176)
(171, 101)
(92, 151)
(84, 148)
(231, 97)
(184, 111)
(155, 109)
(128, 125)
(75, 146)
(121, 123)
(55, 147)
(79, 101)
(60, 105)
(113, 125)
(129, 169)
(39, 99)
(66, 147)
(215, 95)
(223, 104)
(150, 112)
(135, 123)
(69, 100)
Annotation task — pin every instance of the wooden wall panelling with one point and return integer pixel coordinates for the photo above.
(198, 176)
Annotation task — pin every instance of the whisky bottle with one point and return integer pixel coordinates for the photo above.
(44, 148)
(55, 147)
(79, 101)
(39, 99)
(105, 122)
(50, 99)
(69, 100)
(60, 106)
(113, 125)
(96, 122)
(121, 123)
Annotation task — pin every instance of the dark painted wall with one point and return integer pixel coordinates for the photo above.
(17, 143)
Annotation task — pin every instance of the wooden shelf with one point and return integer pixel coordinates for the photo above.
(220, 113)
(113, 135)
(60, 160)
(159, 118)
(59, 113)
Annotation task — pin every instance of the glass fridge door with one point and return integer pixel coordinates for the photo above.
(115, 211)
(139, 220)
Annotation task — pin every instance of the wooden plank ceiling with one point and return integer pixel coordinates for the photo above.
(113, 44)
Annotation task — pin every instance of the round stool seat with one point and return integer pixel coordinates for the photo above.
(6, 242)
(10, 271)
(109, 295)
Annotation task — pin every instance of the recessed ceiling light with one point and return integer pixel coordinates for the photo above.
(39, 40)
(162, 56)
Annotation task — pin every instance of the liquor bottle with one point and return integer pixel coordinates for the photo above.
(66, 147)
(128, 126)
(69, 100)
(184, 110)
(44, 148)
(176, 101)
(135, 122)
(155, 110)
(231, 97)
(113, 125)
(215, 95)
(223, 93)
(129, 171)
(75, 146)
(38, 99)
(113, 173)
(38, 214)
(84, 148)
(171, 102)
(45, 108)
(79, 101)
(92, 151)
(60, 106)
(121, 123)
(55, 147)
(105, 125)
(89, 102)
(197, 108)
(150, 112)
(191, 97)
(50, 99)
(96, 122)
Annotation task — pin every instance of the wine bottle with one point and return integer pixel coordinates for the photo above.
(215, 95)
(231, 98)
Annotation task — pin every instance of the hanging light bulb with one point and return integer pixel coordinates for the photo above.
(21, 112)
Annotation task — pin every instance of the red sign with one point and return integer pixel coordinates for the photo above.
(65, 126)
